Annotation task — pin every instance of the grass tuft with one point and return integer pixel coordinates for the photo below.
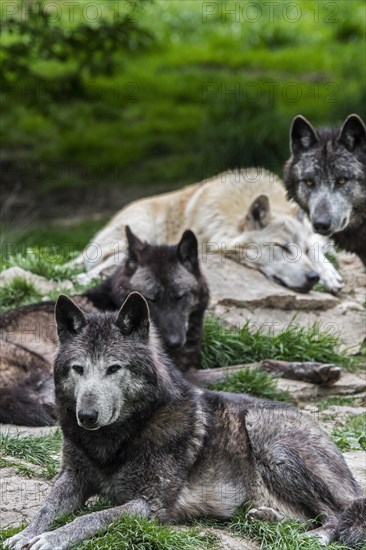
(255, 382)
(223, 346)
(49, 262)
(41, 450)
(18, 292)
(286, 535)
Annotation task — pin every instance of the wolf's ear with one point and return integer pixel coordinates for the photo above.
(187, 251)
(135, 246)
(70, 320)
(352, 133)
(133, 317)
(259, 214)
(302, 135)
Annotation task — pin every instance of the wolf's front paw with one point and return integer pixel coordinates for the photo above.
(48, 541)
(17, 541)
(332, 280)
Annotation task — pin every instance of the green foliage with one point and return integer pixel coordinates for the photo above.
(252, 381)
(230, 87)
(41, 450)
(86, 49)
(352, 436)
(223, 346)
(18, 292)
(45, 261)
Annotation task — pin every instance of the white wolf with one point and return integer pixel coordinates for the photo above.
(241, 214)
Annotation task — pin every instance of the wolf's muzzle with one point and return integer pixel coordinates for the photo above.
(88, 418)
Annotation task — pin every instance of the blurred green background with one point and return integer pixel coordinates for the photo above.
(106, 101)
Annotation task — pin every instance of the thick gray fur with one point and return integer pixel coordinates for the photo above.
(138, 433)
(326, 176)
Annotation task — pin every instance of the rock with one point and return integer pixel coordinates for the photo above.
(240, 295)
(20, 497)
(232, 284)
(356, 461)
(43, 285)
(348, 384)
(229, 542)
(346, 323)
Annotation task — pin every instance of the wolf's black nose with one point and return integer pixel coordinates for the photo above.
(174, 341)
(312, 277)
(88, 417)
(322, 225)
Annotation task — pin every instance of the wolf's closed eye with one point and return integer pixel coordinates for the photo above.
(113, 368)
(78, 368)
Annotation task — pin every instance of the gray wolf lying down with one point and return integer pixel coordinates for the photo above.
(137, 432)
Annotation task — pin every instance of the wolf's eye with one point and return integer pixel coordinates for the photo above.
(78, 368)
(341, 181)
(113, 368)
(309, 182)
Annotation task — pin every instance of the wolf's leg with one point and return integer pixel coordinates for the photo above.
(86, 526)
(67, 494)
(300, 467)
(324, 534)
(329, 276)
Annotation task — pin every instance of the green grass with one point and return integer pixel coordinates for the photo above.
(44, 250)
(45, 261)
(286, 535)
(18, 292)
(336, 401)
(223, 346)
(255, 382)
(43, 451)
(135, 533)
(351, 436)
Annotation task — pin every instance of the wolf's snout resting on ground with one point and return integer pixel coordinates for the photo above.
(137, 432)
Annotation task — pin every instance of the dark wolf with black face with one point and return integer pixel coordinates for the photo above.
(326, 176)
(138, 433)
(177, 292)
(170, 279)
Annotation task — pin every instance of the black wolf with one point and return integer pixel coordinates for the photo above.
(168, 276)
(137, 432)
(170, 279)
(326, 176)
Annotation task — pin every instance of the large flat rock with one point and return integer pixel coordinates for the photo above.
(240, 295)
(20, 498)
(349, 384)
(232, 284)
(345, 320)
